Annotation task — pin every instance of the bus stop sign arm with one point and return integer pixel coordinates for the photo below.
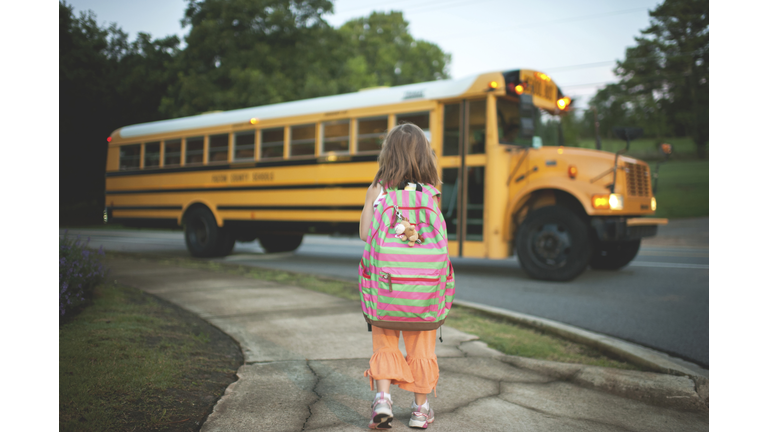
(666, 150)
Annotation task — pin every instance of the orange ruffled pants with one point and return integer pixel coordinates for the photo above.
(417, 373)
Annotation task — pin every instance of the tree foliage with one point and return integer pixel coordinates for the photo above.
(243, 53)
(390, 55)
(105, 82)
(239, 53)
(664, 79)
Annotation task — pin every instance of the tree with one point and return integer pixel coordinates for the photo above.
(243, 53)
(664, 79)
(83, 90)
(145, 70)
(105, 82)
(390, 55)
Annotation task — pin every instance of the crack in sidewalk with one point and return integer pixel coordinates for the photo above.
(498, 393)
(529, 408)
(314, 390)
(553, 415)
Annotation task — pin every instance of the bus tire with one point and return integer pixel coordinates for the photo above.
(273, 243)
(613, 255)
(203, 237)
(553, 244)
(226, 243)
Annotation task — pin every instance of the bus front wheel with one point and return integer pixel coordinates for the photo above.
(203, 236)
(280, 242)
(553, 244)
(614, 255)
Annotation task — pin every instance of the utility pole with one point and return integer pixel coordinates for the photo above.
(598, 144)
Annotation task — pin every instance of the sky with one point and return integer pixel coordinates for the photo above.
(577, 42)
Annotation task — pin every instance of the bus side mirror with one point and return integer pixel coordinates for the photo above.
(627, 134)
(527, 125)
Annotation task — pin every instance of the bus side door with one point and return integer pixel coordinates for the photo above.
(463, 162)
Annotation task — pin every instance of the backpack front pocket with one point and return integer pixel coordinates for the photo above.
(408, 298)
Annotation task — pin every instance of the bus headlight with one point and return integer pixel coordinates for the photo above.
(608, 202)
(616, 202)
(653, 203)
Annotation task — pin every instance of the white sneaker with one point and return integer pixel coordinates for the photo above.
(381, 413)
(422, 416)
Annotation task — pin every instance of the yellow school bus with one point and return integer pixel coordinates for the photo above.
(277, 172)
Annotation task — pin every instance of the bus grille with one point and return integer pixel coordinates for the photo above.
(638, 180)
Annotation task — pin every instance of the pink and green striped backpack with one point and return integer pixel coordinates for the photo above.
(404, 287)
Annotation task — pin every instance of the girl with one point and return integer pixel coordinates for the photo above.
(405, 158)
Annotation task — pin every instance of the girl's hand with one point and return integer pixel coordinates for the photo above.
(366, 217)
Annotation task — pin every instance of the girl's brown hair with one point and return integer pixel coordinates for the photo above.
(406, 157)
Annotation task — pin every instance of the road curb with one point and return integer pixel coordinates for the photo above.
(664, 390)
(632, 353)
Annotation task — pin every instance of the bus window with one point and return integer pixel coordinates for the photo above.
(419, 119)
(451, 122)
(152, 154)
(272, 142)
(476, 127)
(303, 140)
(245, 145)
(194, 151)
(507, 120)
(475, 202)
(218, 148)
(370, 133)
(449, 200)
(336, 136)
(130, 156)
(172, 152)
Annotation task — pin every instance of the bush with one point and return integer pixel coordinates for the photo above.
(80, 270)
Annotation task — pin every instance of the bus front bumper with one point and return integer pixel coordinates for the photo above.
(618, 228)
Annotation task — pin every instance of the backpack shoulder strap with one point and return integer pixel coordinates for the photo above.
(428, 188)
(386, 189)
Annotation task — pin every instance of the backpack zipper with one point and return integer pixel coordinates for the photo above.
(389, 278)
(394, 212)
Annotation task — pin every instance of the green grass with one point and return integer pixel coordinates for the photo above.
(129, 362)
(683, 189)
(502, 335)
(513, 339)
(645, 148)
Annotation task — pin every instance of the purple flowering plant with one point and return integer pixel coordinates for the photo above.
(80, 270)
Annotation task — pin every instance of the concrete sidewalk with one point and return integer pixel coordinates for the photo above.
(305, 353)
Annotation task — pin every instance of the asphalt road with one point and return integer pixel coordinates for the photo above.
(661, 300)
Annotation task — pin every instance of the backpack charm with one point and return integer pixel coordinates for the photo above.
(408, 233)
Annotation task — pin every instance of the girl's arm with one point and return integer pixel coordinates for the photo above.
(367, 215)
